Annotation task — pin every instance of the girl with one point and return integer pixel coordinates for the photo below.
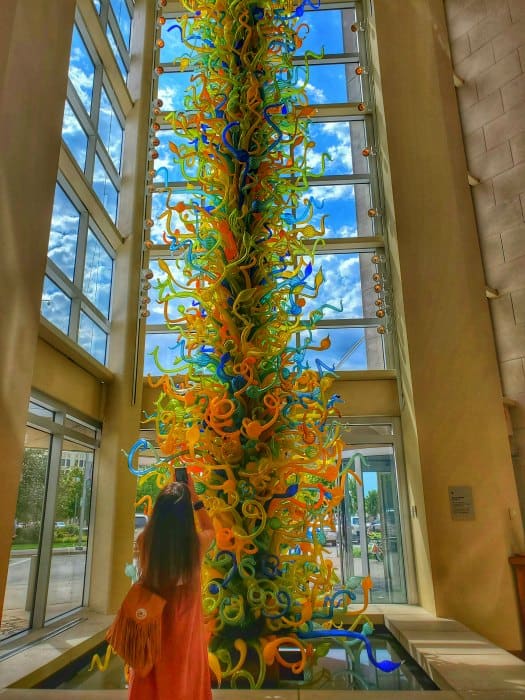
(170, 556)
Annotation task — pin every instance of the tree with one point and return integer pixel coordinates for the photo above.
(69, 493)
(32, 486)
(372, 503)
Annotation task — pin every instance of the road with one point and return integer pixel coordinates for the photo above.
(65, 585)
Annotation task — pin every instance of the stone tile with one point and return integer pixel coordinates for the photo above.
(491, 250)
(467, 18)
(518, 413)
(512, 376)
(517, 10)
(510, 344)
(513, 241)
(483, 196)
(32, 694)
(502, 315)
(367, 695)
(517, 147)
(499, 75)
(513, 94)
(500, 217)
(501, 128)
(494, 672)
(483, 112)
(509, 184)
(460, 48)
(490, 694)
(509, 40)
(494, 24)
(474, 143)
(477, 62)
(518, 304)
(491, 163)
(269, 694)
(454, 7)
(467, 95)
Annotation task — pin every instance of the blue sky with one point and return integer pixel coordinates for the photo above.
(335, 83)
(327, 84)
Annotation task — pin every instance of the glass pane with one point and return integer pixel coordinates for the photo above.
(105, 189)
(332, 84)
(345, 208)
(369, 523)
(81, 70)
(96, 3)
(159, 202)
(347, 278)
(70, 540)
(74, 136)
(39, 410)
(162, 346)
(171, 90)
(342, 142)
(23, 560)
(173, 306)
(92, 338)
(173, 47)
(110, 130)
(113, 44)
(56, 306)
(169, 160)
(98, 272)
(329, 29)
(79, 426)
(123, 18)
(351, 348)
(64, 233)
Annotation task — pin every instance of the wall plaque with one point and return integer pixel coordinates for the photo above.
(461, 503)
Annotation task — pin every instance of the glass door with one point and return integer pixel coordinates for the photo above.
(70, 530)
(371, 537)
(49, 555)
(27, 528)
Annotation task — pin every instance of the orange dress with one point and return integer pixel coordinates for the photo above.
(182, 671)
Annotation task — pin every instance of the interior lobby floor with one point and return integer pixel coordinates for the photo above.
(460, 662)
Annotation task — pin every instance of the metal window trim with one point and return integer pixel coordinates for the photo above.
(95, 315)
(96, 28)
(70, 173)
(108, 165)
(56, 405)
(77, 296)
(122, 49)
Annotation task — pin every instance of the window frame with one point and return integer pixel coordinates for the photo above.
(341, 112)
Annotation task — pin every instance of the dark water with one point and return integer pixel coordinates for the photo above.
(338, 670)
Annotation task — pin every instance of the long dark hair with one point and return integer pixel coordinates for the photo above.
(169, 546)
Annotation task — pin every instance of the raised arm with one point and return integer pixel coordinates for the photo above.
(206, 529)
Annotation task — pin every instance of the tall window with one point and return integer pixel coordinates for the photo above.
(347, 196)
(76, 295)
(47, 574)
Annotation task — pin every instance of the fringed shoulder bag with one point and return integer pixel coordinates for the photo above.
(136, 632)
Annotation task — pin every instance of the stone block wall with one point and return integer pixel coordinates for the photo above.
(487, 39)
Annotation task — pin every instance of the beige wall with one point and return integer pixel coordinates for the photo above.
(450, 385)
(488, 52)
(34, 56)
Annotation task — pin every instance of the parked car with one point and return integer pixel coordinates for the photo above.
(374, 526)
(354, 523)
(330, 536)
